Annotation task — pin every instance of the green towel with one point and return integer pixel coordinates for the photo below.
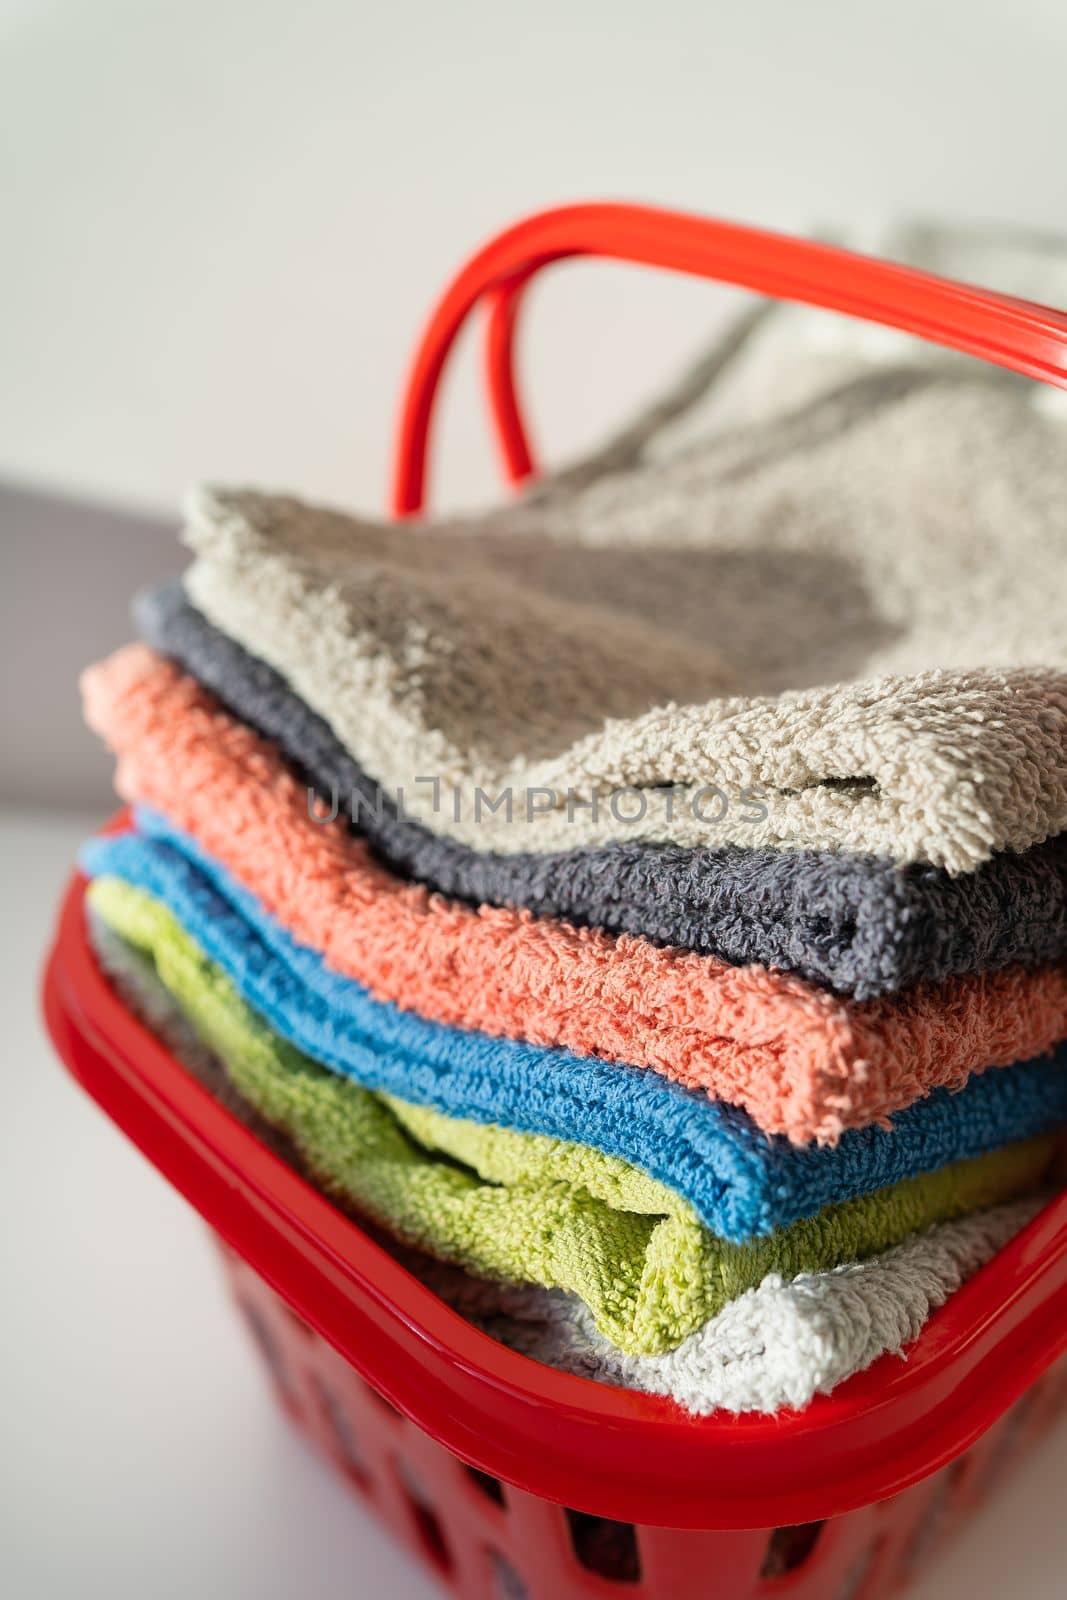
(522, 1207)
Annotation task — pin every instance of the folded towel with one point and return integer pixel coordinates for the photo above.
(521, 1207)
(852, 605)
(862, 925)
(799, 1060)
(740, 1182)
(775, 1346)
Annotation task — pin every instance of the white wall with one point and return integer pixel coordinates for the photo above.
(223, 221)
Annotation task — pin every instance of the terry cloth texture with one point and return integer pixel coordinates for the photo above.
(860, 925)
(776, 1345)
(852, 600)
(740, 1182)
(520, 1207)
(798, 1059)
(134, 977)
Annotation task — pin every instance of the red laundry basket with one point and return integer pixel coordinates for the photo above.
(509, 1479)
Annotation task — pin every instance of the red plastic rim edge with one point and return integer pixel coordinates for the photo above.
(606, 1451)
(1000, 329)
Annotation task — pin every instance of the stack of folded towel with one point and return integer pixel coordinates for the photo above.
(646, 903)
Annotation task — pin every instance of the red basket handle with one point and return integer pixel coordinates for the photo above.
(1017, 334)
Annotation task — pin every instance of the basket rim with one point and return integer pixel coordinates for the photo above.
(611, 1452)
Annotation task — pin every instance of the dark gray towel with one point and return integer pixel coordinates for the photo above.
(857, 924)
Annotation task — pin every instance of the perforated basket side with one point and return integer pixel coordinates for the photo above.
(491, 1541)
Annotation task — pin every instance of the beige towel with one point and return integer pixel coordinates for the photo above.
(838, 625)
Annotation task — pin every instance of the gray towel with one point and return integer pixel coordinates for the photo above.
(860, 925)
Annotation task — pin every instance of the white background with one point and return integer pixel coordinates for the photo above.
(223, 222)
(221, 225)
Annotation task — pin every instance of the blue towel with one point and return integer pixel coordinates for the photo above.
(741, 1181)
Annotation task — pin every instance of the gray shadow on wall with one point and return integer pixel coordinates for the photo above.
(68, 570)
